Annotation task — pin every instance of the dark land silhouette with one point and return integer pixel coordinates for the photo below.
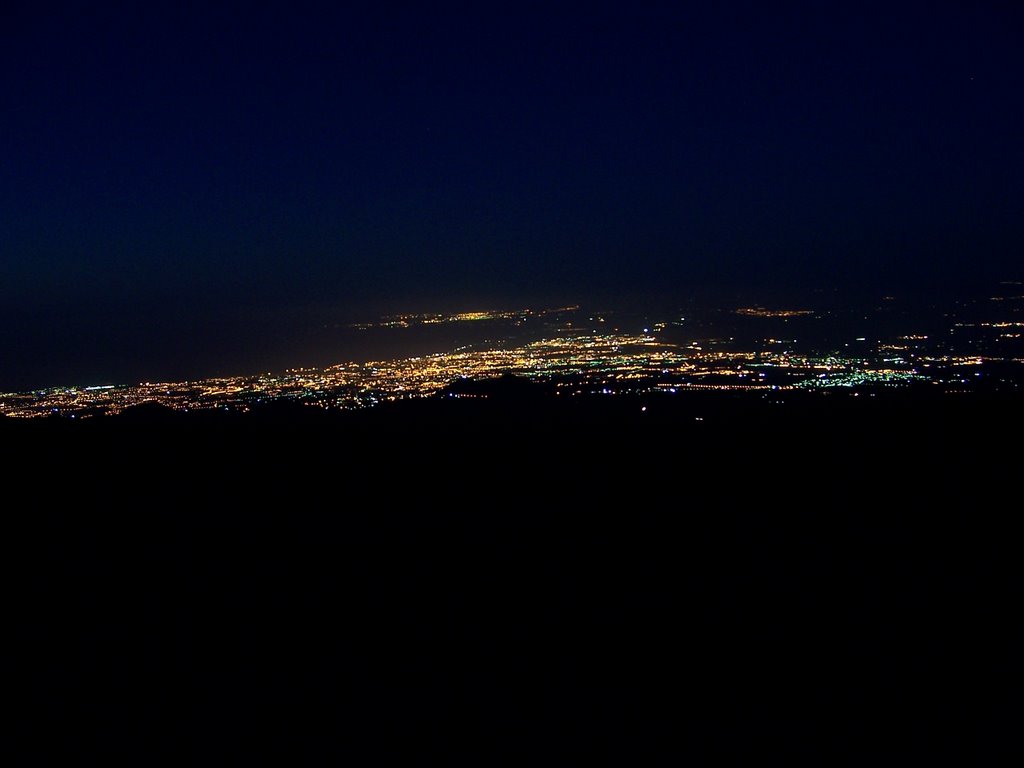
(506, 576)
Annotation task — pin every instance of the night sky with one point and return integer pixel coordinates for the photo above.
(184, 189)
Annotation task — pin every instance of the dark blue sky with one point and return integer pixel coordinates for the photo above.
(174, 181)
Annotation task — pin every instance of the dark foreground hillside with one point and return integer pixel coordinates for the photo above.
(518, 579)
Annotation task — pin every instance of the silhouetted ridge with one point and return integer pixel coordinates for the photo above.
(151, 412)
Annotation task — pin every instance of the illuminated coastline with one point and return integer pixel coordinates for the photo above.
(576, 355)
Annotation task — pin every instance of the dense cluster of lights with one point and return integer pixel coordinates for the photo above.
(577, 359)
(867, 377)
(762, 312)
